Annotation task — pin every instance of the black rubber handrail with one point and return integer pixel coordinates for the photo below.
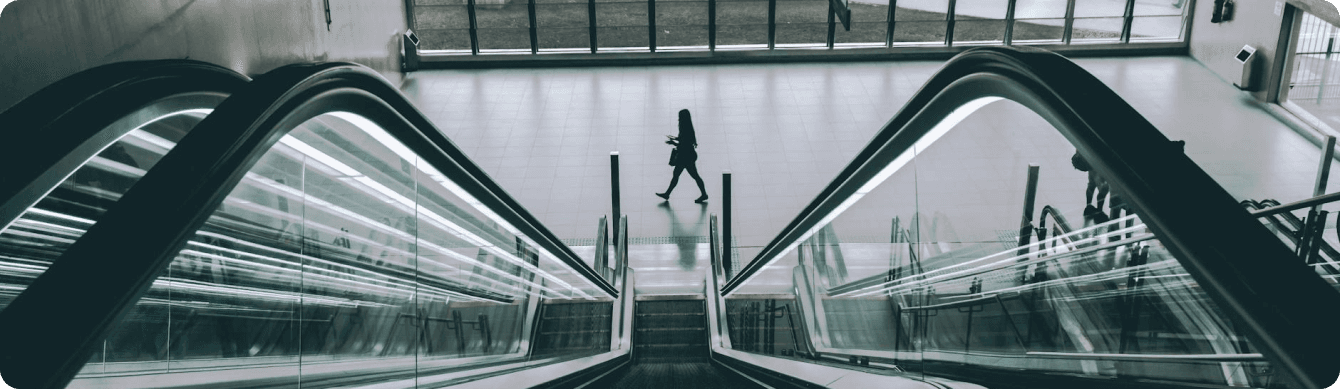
(1243, 268)
(47, 332)
(52, 132)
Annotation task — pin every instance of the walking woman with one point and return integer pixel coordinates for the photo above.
(686, 156)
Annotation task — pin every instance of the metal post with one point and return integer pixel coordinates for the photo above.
(614, 188)
(949, 24)
(712, 25)
(888, 35)
(832, 25)
(726, 241)
(1026, 222)
(534, 33)
(1069, 21)
(772, 24)
(1324, 171)
(1126, 20)
(1325, 67)
(474, 27)
(591, 16)
(1009, 22)
(651, 25)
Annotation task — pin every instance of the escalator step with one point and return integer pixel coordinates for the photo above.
(700, 375)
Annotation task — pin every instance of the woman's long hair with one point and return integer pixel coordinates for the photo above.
(686, 134)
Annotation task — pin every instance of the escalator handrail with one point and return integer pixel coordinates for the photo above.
(1200, 223)
(1056, 216)
(1300, 204)
(50, 134)
(45, 346)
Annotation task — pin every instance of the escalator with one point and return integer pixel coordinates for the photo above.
(915, 261)
(311, 228)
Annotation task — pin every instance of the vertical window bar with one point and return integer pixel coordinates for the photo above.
(1126, 21)
(832, 24)
(409, 10)
(591, 16)
(651, 25)
(772, 24)
(474, 27)
(888, 35)
(534, 33)
(712, 25)
(1009, 22)
(949, 24)
(1069, 21)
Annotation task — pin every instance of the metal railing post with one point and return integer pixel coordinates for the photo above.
(712, 25)
(1026, 222)
(726, 246)
(772, 24)
(614, 188)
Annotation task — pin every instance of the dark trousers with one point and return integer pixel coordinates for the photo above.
(693, 172)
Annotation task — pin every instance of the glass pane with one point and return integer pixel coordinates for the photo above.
(919, 32)
(1096, 30)
(1314, 83)
(1099, 8)
(980, 9)
(802, 22)
(503, 25)
(681, 23)
(742, 22)
(922, 10)
(340, 256)
(869, 24)
(681, 36)
(442, 24)
(1171, 8)
(622, 25)
(1038, 30)
(873, 33)
(1038, 9)
(563, 26)
(1156, 27)
(504, 40)
(41, 234)
(623, 38)
(979, 31)
(802, 34)
(742, 35)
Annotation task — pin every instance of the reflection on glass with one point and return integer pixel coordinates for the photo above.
(1037, 31)
(930, 268)
(341, 256)
(442, 24)
(41, 234)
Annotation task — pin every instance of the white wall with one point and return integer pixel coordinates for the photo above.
(44, 41)
(1214, 44)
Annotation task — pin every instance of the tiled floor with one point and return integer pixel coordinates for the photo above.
(784, 131)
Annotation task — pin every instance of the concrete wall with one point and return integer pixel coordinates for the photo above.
(46, 40)
(1214, 44)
